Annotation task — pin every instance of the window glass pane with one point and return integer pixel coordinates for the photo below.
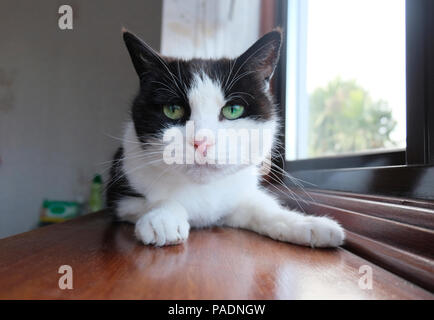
(346, 77)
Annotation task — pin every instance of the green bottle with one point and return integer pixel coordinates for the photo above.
(95, 200)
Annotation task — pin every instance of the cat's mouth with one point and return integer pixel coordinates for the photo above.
(202, 173)
(204, 166)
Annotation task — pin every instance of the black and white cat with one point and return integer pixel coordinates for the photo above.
(165, 200)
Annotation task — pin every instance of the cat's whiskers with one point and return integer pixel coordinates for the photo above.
(115, 179)
(166, 87)
(296, 181)
(165, 171)
(249, 57)
(242, 93)
(231, 97)
(235, 80)
(278, 170)
(230, 73)
(286, 194)
(109, 164)
(132, 155)
(184, 86)
(116, 161)
(280, 182)
(139, 157)
(283, 171)
(135, 142)
(164, 64)
(295, 196)
(175, 95)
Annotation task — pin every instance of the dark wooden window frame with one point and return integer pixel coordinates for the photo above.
(385, 201)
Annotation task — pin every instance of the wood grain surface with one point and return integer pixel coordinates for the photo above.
(218, 263)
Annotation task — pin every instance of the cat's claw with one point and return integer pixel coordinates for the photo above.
(161, 228)
(320, 232)
(309, 231)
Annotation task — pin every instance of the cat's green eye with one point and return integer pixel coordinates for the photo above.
(173, 112)
(232, 112)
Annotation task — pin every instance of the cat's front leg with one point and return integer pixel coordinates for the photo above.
(165, 224)
(263, 214)
(162, 224)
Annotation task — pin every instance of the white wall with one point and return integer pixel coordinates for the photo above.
(61, 92)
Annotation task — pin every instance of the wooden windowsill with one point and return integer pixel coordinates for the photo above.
(394, 233)
(218, 263)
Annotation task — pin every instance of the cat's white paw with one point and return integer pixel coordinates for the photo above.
(160, 227)
(309, 231)
(320, 232)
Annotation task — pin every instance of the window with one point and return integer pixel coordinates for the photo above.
(372, 64)
(346, 77)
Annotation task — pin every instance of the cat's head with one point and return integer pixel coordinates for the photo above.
(205, 102)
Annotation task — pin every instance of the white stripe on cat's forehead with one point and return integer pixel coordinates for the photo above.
(205, 96)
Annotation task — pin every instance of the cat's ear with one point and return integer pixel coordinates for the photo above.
(264, 54)
(144, 58)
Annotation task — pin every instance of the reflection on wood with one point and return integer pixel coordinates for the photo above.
(219, 263)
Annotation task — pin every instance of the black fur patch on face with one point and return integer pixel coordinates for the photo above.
(157, 89)
(166, 81)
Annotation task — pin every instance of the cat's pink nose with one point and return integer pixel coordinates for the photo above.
(202, 146)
